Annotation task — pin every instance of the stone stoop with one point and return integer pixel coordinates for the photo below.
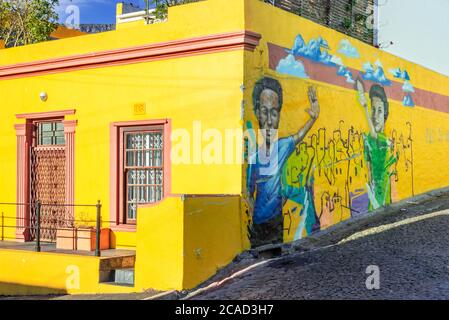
(117, 271)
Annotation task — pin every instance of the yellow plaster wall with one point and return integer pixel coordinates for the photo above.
(341, 111)
(204, 88)
(208, 88)
(160, 246)
(21, 274)
(7, 222)
(212, 236)
(185, 90)
(185, 240)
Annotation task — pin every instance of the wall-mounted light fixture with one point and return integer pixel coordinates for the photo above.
(43, 96)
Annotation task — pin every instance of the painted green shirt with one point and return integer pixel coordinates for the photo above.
(379, 158)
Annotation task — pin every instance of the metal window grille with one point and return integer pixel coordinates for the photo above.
(50, 133)
(144, 174)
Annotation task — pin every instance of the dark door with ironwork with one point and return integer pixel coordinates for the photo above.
(47, 181)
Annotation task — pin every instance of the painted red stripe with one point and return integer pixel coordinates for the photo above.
(241, 40)
(323, 73)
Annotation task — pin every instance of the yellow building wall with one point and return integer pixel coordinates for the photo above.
(186, 90)
(22, 274)
(323, 179)
(102, 96)
(181, 242)
(212, 236)
(202, 90)
(328, 175)
(160, 246)
(185, 240)
(7, 222)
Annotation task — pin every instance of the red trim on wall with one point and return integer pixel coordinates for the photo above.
(24, 140)
(113, 173)
(45, 115)
(116, 187)
(320, 72)
(69, 134)
(240, 40)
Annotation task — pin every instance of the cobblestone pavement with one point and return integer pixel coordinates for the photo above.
(409, 244)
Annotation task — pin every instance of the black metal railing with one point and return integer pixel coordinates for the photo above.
(346, 16)
(33, 226)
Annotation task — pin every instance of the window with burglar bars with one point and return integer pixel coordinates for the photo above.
(143, 166)
(50, 133)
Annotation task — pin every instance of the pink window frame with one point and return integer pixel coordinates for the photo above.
(24, 134)
(116, 166)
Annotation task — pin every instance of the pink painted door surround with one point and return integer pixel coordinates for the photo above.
(24, 138)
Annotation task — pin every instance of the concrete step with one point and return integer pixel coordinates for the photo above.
(124, 276)
(113, 263)
(117, 270)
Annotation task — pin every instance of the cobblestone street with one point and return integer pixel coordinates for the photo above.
(409, 242)
(410, 247)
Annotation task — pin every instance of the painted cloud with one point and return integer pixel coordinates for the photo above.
(317, 50)
(337, 60)
(346, 48)
(408, 87)
(375, 73)
(312, 50)
(344, 72)
(399, 74)
(408, 101)
(289, 65)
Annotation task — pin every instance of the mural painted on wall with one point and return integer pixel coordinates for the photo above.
(320, 176)
(377, 147)
(266, 194)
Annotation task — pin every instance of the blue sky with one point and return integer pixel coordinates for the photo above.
(94, 11)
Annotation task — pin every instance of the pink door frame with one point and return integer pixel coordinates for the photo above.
(116, 184)
(24, 136)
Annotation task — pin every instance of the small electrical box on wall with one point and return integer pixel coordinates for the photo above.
(140, 109)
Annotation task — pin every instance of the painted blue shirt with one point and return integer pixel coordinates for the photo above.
(264, 178)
